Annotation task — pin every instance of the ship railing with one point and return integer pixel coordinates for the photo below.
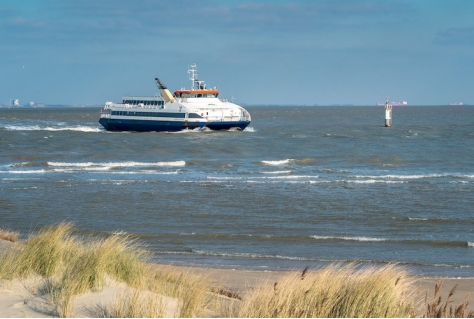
(225, 118)
(134, 106)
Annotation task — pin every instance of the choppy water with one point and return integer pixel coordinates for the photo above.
(302, 186)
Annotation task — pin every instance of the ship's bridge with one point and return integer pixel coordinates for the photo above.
(196, 93)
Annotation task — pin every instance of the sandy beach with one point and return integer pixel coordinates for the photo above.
(242, 281)
(21, 298)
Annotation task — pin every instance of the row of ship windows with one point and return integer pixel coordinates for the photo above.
(135, 102)
(155, 114)
(183, 95)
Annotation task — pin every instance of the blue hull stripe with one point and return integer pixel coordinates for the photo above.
(166, 126)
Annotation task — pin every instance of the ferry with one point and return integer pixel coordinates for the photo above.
(194, 108)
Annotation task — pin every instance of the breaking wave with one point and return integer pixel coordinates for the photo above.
(79, 128)
(279, 162)
(368, 239)
(118, 164)
(448, 243)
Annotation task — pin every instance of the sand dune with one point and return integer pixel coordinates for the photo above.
(27, 298)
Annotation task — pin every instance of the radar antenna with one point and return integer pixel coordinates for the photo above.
(193, 76)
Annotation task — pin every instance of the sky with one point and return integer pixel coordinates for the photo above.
(258, 52)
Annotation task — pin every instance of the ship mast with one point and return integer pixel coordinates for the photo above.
(193, 76)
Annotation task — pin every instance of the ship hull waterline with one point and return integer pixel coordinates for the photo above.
(167, 126)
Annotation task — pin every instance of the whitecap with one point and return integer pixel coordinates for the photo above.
(38, 171)
(402, 176)
(370, 181)
(117, 164)
(363, 239)
(287, 177)
(277, 172)
(278, 162)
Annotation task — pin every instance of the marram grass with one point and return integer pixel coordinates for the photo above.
(135, 304)
(9, 235)
(332, 292)
(71, 265)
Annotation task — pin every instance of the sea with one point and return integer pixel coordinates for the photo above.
(302, 186)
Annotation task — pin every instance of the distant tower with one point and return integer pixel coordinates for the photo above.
(388, 113)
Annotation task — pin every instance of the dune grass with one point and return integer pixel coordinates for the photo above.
(135, 304)
(71, 265)
(332, 292)
(9, 235)
(192, 291)
(436, 308)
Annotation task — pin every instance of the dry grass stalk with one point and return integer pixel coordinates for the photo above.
(227, 293)
(72, 266)
(436, 308)
(136, 304)
(333, 292)
(9, 235)
(191, 290)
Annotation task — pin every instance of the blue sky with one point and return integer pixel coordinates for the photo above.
(320, 52)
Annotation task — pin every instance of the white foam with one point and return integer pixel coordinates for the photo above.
(117, 164)
(287, 177)
(224, 178)
(22, 128)
(371, 181)
(402, 176)
(363, 239)
(38, 171)
(470, 244)
(245, 255)
(18, 178)
(280, 162)
(277, 172)
(195, 130)
(143, 172)
(68, 170)
(51, 128)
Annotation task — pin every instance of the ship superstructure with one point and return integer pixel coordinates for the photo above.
(197, 107)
